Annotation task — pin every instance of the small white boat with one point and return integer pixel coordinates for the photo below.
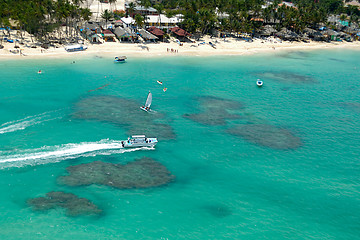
(147, 105)
(120, 59)
(75, 48)
(259, 83)
(139, 141)
(159, 82)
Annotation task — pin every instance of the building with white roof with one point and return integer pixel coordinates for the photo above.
(161, 21)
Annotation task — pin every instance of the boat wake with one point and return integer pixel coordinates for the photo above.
(52, 154)
(27, 122)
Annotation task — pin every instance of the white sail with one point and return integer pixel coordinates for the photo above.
(148, 100)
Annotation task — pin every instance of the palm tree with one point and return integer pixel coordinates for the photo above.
(131, 8)
(159, 8)
(139, 20)
(107, 15)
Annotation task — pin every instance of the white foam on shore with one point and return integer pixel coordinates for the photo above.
(52, 154)
(21, 124)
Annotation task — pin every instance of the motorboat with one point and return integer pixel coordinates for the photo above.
(147, 105)
(159, 82)
(259, 83)
(75, 48)
(139, 141)
(120, 59)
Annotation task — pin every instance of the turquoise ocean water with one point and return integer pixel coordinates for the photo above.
(227, 186)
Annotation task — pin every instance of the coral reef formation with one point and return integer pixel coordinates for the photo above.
(74, 205)
(141, 173)
(267, 135)
(214, 111)
(124, 113)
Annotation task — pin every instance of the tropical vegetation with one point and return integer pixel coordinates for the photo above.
(40, 17)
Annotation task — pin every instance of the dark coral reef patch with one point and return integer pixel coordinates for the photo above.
(267, 135)
(288, 77)
(74, 205)
(141, 173)
(124, 113)
(214, 111)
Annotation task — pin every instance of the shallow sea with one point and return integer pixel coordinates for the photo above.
(277, 162)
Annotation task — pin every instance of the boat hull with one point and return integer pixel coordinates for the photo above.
(144, 109)
(147, 142)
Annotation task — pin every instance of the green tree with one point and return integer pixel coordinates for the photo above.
(106, 15)
(139, 20)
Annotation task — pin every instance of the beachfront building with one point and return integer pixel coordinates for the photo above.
(138, 9)
(108, 35)
(148, 37)
(180, 34)
(125, 34)
(161, 21)
(127, 21)
(157, 32)
(95, 38)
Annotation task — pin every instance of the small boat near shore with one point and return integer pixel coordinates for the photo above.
(75, 48)
(259, 83)
(159, 82)
(139, 141)
(120, 59)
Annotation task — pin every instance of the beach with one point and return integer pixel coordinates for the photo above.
(233, 160)
(228, 46)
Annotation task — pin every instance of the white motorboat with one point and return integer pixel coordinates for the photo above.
(259, 83)
(147, 105)
(120, 59)
(139, 141)
(75, 48)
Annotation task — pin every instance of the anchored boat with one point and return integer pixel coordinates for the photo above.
(120, 59)
(259, 83)
(139, 141)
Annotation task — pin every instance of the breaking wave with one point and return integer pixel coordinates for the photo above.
(52, 154)
(21, 124)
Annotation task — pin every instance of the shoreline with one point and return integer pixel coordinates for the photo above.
(229, 47)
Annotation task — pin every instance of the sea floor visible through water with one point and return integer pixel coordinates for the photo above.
(234, 161)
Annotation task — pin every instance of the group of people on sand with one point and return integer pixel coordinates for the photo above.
(172, 50)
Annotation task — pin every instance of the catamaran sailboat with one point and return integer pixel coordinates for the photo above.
(147, 105)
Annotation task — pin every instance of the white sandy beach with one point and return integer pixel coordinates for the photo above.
(230, 46)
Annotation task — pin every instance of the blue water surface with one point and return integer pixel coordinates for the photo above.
(227, 186)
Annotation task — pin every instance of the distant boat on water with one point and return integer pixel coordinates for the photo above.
(159, 82)
(139, 141)
(259, 83)
(120, 59)
(147, 105)
(75, 48)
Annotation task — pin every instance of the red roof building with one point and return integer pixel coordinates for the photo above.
(157, 32)
(180, 32)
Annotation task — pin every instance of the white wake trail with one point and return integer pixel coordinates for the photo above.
(21, 124)
(53, 154)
